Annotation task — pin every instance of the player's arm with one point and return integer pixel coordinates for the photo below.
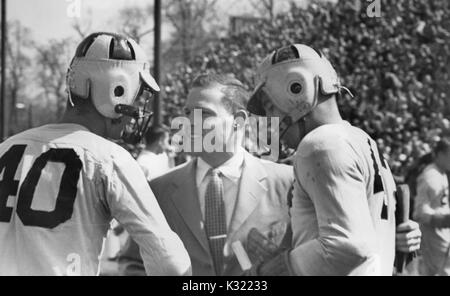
(423, 212)
(335, 183)
(134, 205)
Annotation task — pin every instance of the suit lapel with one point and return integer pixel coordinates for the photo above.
(185, 198)
(251, 190)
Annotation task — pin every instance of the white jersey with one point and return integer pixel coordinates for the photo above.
(153, 165)
(343, 205)
(60, 186)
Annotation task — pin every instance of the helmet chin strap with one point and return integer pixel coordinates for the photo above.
(284, 126)
(138, 131)
(285, 123)
(141, 122)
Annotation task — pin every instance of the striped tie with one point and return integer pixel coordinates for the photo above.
(215, 221)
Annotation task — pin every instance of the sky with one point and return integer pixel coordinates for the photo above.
(54, 18)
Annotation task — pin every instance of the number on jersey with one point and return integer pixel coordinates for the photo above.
(65, 200)
(378, 181)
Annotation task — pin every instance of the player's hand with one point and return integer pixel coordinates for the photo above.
(277, 265)
(259, 247)
(288, 160)
(408, 237)
(267, 258)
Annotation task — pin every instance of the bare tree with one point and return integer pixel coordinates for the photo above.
(52, 61)
(18, 62)
(136, 22)
(82, 26)
(188, 18)
(265, 7)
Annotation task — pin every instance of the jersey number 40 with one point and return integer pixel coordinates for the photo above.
(66, 194)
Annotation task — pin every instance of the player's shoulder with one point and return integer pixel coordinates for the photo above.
(96, 147)
(99, 149)
(331, 148)
(275, 170)
(329, 139)
(117, 151)
(64, 134)
(37, 133)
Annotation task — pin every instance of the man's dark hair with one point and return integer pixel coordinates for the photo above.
(442, 146)
(236, 95)
(154, 134)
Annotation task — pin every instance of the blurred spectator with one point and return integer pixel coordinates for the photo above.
(396, 65)
(432, 211)
(157, 157)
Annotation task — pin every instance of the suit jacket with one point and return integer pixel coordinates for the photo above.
(261, 203)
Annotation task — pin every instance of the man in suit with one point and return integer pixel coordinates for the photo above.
(218, 197)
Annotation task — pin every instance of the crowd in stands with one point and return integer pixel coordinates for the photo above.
(396, 65)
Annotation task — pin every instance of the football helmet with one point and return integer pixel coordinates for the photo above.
(292, 78)
(112, 70)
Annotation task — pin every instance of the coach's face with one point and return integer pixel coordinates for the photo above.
(211, 121)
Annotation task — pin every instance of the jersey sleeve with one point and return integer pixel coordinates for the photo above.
(134, 205)
(333, 180)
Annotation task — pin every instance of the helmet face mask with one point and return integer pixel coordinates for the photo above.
(140, 115)
(113, 72)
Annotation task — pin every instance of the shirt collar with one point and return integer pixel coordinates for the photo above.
(231, 169)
